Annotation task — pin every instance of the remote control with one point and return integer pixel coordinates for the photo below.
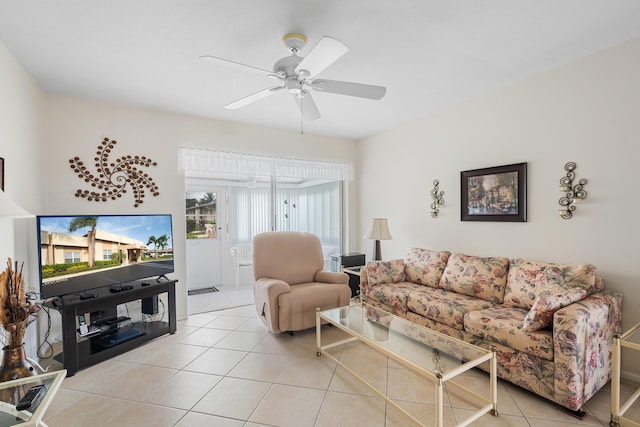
(31, 396)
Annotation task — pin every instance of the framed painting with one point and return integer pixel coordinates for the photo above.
(494, 194)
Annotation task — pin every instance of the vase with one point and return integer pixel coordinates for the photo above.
(15, 364)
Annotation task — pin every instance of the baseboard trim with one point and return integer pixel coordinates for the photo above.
(632, 376)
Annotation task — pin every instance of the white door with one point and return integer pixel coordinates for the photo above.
(204, 217)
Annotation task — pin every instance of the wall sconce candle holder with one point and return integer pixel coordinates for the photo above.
(574, 193)
(437, 199)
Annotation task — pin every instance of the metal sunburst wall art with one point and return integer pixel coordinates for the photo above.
(111, 179)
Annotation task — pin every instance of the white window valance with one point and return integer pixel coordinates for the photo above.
(200, 162)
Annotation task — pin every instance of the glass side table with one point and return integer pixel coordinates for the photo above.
(12, 391)
(629, 339)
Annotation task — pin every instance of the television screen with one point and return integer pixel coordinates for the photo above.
(83, 252)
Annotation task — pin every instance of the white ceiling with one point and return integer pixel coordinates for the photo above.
(428, 53)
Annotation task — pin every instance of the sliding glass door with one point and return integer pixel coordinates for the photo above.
(204, 235)
(314, 207)
(265, 193)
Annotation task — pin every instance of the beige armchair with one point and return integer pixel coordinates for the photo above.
(290, 281)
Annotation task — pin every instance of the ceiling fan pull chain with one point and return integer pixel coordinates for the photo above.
(302, 115)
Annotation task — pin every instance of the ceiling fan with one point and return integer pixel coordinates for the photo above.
(297, 74)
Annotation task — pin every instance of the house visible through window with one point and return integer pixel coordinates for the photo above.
(71, 256)
(201, 214)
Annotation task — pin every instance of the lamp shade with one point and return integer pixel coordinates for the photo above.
(9, 209)
(379, 230)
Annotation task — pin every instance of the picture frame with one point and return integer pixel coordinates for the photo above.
(2, 173)
(494, 194)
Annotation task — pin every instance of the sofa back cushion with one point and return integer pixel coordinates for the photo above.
(483, 278)
(425, 267)
(528, 279)
(379, 272)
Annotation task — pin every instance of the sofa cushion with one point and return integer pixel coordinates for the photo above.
(425, 266)
(443, 306)
(545, 305)
(527, 279)
(478, 277)
(503, 325)
(392, 294)
(379, 272)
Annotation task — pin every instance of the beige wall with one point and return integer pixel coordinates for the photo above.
(586, 112)
(21, 108)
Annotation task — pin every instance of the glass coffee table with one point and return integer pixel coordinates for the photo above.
(435, 356)
(12, 391)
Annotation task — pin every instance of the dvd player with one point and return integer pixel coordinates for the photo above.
(117, 337)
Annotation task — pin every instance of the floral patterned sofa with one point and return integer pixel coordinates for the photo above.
(552, 324)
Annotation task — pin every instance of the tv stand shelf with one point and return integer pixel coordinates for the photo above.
(79, 352)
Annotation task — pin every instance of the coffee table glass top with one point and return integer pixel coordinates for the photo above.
(428, 349)
(12, 391)
(631, 338)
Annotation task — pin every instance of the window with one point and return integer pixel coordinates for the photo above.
(201, 214)
(106, 254)
(71, 256)
(249, 213)
(272, 193)
(315, 208)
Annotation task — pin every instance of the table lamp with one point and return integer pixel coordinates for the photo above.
(379, 230)
(9, 209)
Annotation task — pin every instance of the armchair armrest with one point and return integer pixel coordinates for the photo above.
(331, 277)
(583, 344)
(265, 293)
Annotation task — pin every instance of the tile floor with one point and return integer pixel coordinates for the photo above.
(224, 369)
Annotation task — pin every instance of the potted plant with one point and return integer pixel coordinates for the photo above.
(16, 312)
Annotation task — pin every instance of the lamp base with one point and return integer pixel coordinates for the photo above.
(377, 253)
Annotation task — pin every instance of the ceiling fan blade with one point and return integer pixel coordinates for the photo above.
(323, 54)
(228, 63)
(253, 98)
(307, 106)
(348, 88)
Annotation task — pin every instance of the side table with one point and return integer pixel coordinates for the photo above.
(629, 339)
(12, 391)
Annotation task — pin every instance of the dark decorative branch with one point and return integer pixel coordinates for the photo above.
(111, 179)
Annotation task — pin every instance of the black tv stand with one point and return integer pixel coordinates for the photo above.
(81, 351)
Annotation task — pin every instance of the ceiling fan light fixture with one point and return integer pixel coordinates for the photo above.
(295, 42)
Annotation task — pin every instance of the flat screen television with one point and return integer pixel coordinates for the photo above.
(79, 253)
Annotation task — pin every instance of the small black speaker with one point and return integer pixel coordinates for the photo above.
(150, 305)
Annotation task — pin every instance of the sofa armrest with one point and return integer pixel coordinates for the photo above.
(265, 294)
(583, 344)
(364, 282)
(323, 276)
